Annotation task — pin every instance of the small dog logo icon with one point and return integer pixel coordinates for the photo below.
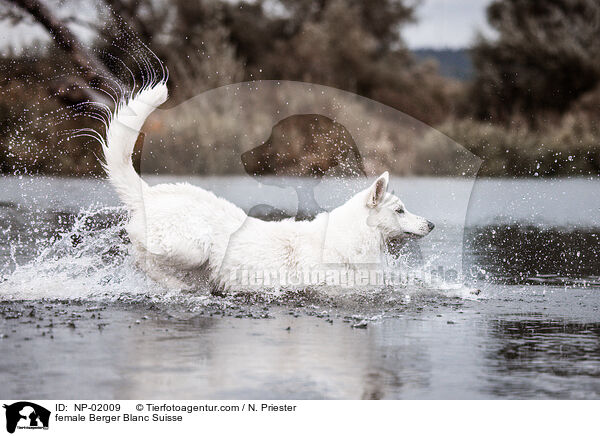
(26, 415)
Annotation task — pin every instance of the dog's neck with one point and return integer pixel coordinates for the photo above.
(350, 239)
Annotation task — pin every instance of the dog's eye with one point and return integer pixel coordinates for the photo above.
(400, 210)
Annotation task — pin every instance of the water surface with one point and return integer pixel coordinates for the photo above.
(77, 313)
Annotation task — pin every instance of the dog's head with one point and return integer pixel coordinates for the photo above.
(387, 213)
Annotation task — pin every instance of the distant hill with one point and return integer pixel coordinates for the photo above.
(453, 63)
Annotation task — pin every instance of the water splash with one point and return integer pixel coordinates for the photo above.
(91, 261)
(51, 124)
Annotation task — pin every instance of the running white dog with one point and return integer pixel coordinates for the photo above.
(180, 227)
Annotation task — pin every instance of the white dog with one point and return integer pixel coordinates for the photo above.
(180, 227)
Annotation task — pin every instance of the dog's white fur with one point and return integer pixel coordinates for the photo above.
(183, 227)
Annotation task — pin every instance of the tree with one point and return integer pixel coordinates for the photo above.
(92, 71)
(545, 56)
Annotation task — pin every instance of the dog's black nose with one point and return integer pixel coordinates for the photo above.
(430, 225)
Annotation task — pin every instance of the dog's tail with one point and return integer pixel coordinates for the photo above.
(121, 136)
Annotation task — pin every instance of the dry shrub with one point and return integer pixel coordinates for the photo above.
(207, 134)
(568, 148)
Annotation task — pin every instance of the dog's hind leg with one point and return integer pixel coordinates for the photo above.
(167, 280)
(158, 271)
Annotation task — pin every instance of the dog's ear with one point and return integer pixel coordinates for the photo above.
(377, 190)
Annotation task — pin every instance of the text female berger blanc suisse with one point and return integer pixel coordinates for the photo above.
(179, 227)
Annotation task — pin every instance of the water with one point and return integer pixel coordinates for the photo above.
(77, 313)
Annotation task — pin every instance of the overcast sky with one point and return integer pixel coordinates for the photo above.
(447, 23)
(441, 24)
